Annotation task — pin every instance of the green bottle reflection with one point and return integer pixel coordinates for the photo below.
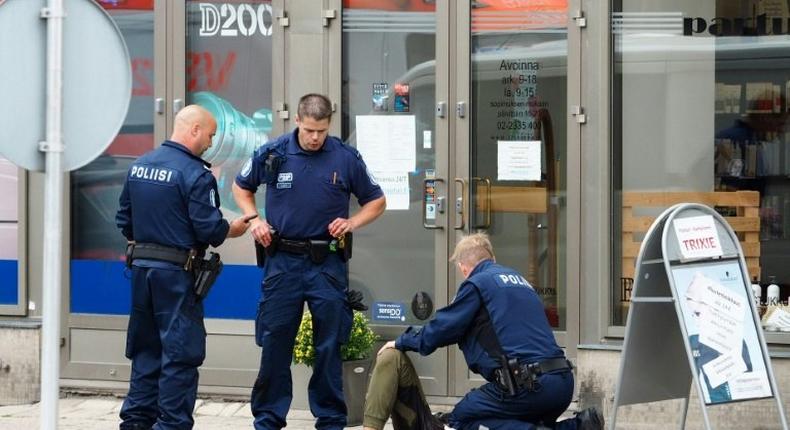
(237, 137)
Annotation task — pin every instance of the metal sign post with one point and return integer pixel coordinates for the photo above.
(84, 97)
(53, 205)
(692, 290)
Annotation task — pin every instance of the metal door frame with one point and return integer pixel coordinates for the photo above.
(461, 380)
(112, 375)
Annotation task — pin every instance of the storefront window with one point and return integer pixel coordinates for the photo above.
(700, 115)
(9, 244)
(229, 72)
(95, 188)
(97, 246)
(228, 66)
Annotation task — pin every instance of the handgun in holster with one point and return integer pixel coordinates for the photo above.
(262, 252)
(206, 273)
(505, 374)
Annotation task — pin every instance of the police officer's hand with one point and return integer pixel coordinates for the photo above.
(390, 344)
(340, 226)
(239, 225)
(261, 231)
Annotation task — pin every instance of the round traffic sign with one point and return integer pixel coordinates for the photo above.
(97, 82)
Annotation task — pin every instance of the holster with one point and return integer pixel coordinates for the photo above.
(319, 251)
(129, 253)
(345, 244)
(206, 273)
(504, 375)
(262, 252)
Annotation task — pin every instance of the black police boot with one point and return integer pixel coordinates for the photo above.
(590, 419)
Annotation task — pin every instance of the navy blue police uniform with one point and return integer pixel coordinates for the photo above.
(305, 192)
(169, 200)
(496, 301)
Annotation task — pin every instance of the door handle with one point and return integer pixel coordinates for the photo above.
(487, 223)
(178, 104)
(459, 204)
(437, 203)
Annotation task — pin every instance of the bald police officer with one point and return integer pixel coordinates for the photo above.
(309, 177)
(499, 323)
(169, 209)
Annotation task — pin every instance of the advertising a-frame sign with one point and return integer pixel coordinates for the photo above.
(692, 319)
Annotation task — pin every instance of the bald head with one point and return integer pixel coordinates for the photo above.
(194, 127)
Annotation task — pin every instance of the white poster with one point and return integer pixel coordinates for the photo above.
(697, 237)
(721, 323)
(722, 337)
(518, 160)
(396, 189)
(388, 143)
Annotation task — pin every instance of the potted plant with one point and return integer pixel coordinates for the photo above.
(356, 355)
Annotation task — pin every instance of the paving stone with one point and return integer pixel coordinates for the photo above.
(230, 409)
(245, 411)
(210, 408)
(8, 411)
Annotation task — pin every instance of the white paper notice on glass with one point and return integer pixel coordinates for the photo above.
(396, 189)
(427, 141)
(697, 237)
(387, 142)
(518, 160)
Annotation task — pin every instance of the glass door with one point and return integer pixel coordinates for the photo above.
(224, 63)
(395, 113)
(98, 299)
(511, 115)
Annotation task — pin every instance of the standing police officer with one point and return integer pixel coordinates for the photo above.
(309, 177)
(499, 323)
(169, 211)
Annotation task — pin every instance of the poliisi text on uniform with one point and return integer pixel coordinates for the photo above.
(151, 173)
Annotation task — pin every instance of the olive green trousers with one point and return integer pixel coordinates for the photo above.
(395, 391)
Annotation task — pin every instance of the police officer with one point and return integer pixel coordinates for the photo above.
(169, 211)
(309, 177)
(499, 323)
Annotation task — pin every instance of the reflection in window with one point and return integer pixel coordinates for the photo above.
(389, 53)
(700, 91)
(96, 187)
(519, 83)
(228, 66)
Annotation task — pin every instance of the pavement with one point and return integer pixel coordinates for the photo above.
(81, 412)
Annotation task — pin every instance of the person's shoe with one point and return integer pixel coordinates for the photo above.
(590, 419)
(443, 417)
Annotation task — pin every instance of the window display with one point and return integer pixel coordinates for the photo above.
(700, 89)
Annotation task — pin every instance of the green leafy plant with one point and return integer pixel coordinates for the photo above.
(358, 347)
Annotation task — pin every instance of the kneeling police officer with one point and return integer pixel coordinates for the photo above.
(169, 212)
(499, 323)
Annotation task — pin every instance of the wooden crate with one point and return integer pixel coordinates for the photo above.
(746, 222)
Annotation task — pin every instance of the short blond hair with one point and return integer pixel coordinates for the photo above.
(472, 249)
